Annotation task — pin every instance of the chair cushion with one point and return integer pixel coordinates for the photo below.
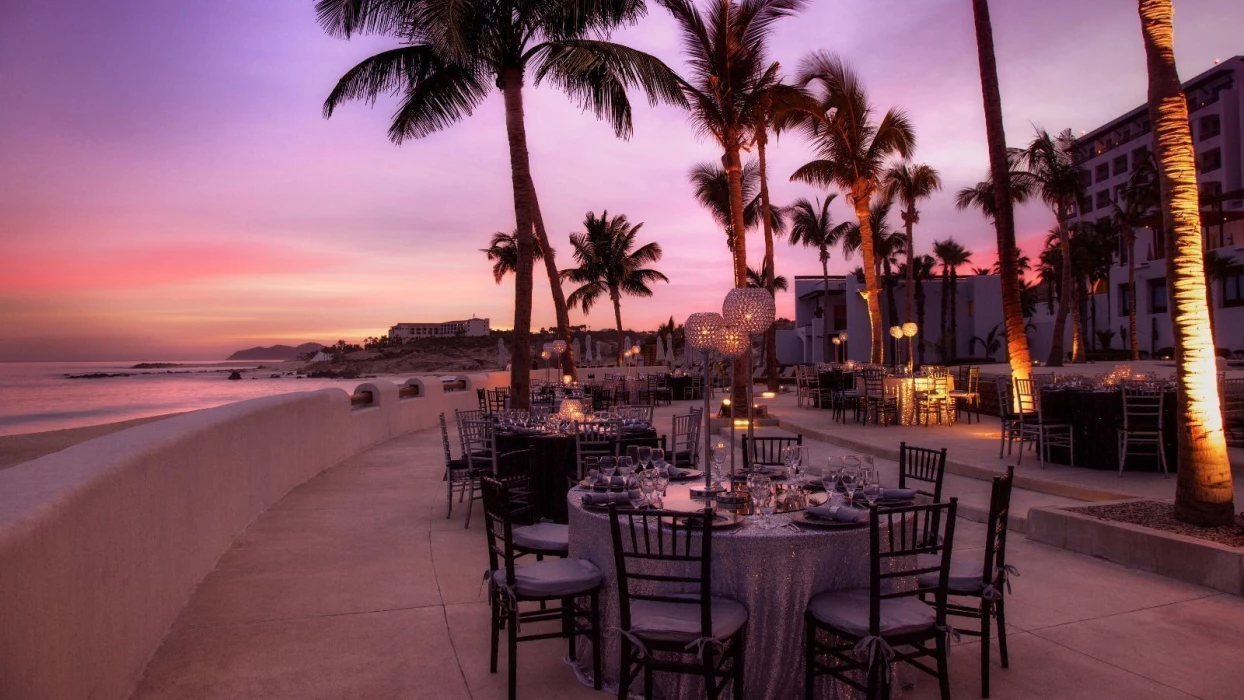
(965, 574)
(553, 578)
(680, 622)
(848, 611)
(550, 537)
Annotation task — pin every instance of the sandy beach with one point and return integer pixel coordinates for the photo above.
(16, 449)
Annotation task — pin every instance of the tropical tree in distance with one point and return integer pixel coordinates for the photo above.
(950, 255)
(1203, 493)
(1048, 163)
(923, 273)
(610, 265)
(909, 183)
(763, 278)
(1142, 202)
(1218, 267)
(991, 343)
(851, 155)
(502, 252)
(1003, 211)
(888, 244)
(982, 271)
(812, 226)
(712, 190)
(449, 61)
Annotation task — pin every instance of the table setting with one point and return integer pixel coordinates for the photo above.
(779, 538)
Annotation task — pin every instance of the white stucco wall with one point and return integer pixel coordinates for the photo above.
(102, 544)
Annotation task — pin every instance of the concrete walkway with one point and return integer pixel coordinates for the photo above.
(357, 586)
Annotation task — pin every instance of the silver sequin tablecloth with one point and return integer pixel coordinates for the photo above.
(772, 572)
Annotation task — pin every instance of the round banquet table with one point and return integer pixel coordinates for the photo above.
(1095, 416)
(554, 463)
(773, 573)
(904, 390)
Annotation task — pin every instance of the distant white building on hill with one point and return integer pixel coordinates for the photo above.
(446, 329)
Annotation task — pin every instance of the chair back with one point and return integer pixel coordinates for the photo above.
(603, 398)
(445, 441)
(1006, 407)
(922, 464)
(482, 395)
(498, 399)
(874, 385)
(499, 527)
(478, 444)
(995, 535)
(514, 471)
(766, 451)
(642, 412)
(663, 556)
(896, 537)
(1028, 398)
(1142, 408)
(970, 381)
(685, 437)
(595, 440)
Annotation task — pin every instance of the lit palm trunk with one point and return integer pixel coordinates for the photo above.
(872, 285)
(1203, 495)
(568, 360)
(520, 171)
(766, 217)
(1004, 220)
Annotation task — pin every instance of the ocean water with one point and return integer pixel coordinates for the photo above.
(36, 396)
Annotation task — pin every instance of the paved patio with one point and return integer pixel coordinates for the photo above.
(355, 585)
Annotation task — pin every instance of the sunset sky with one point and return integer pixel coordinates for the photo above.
(170, 190)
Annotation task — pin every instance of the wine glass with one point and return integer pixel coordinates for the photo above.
(719, 461)
(790, 456)
(871, 489)
(645, 455)
(759, 486)
(626, 467)
(662, 479)
(636, 497)
(658, 455)
(850, 478)
(647, 484)
(607, 467)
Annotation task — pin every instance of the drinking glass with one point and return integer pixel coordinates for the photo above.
(871, 491)
(663, 479)
(647, 484)
(608, 467)
(790, 457)
(626, 467)
(850, 479)
(636, 497)
(645, 455)
(759, 486)
(719, 461)
(658, 455)
(801, 460)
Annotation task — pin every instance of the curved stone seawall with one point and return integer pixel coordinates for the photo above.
(102, 544)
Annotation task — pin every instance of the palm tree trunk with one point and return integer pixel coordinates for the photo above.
(568, 360)
(1203, 493)
(954, 313)
(1056, 336)
(1069, 288)
(1209, 308)
(945, 337)
(920, 321)
(765, 214)
(738, 233)
(825, 306)
(616, 298)
(909, 292)
(1004, 220)
(872, 287)
(1132, 329)
(891, 280)
(520, 170)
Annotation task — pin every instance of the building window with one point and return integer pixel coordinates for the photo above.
(1125, 301)
(1086, 205)
(1157, 296)
(1209, 127)
(1233, 287)
(1103, 199)
(1211, 160)
(1102, 172)
(1213, 188)
(1120, 165)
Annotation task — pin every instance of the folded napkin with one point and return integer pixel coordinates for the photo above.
(897, 494)
(673, 471)
(600, 479)
(607, 498)
(842, 514)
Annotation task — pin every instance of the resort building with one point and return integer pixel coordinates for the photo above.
(1110, 153)
(447, 329)
(842, 310)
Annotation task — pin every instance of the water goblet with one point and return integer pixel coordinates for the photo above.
(636, 497)
(658, 455)
(647, 484)
(789, 457)
(850, 479)
(626, 467)
(608, 466)
(644, 454)
(719, 461)
(662, 479)
(872, 490)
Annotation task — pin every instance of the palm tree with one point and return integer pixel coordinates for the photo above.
(502, 252)
(1203, 494)
(924, 265)
(982, 271)
(909, 183)
(761, 279)
(1049, 163)
(1003, 212)
(1142, 200)
(852, 153)
(610, 264)
(950, 255)
(887, 245)
(730, 78)
(812, 226)
(447, 64)
(1218, 267)
(712, 190)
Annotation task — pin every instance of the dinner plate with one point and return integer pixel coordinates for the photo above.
(721, 521)
(688, 476)
(802, 518)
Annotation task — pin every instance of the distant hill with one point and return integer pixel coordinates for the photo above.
(276, 352)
